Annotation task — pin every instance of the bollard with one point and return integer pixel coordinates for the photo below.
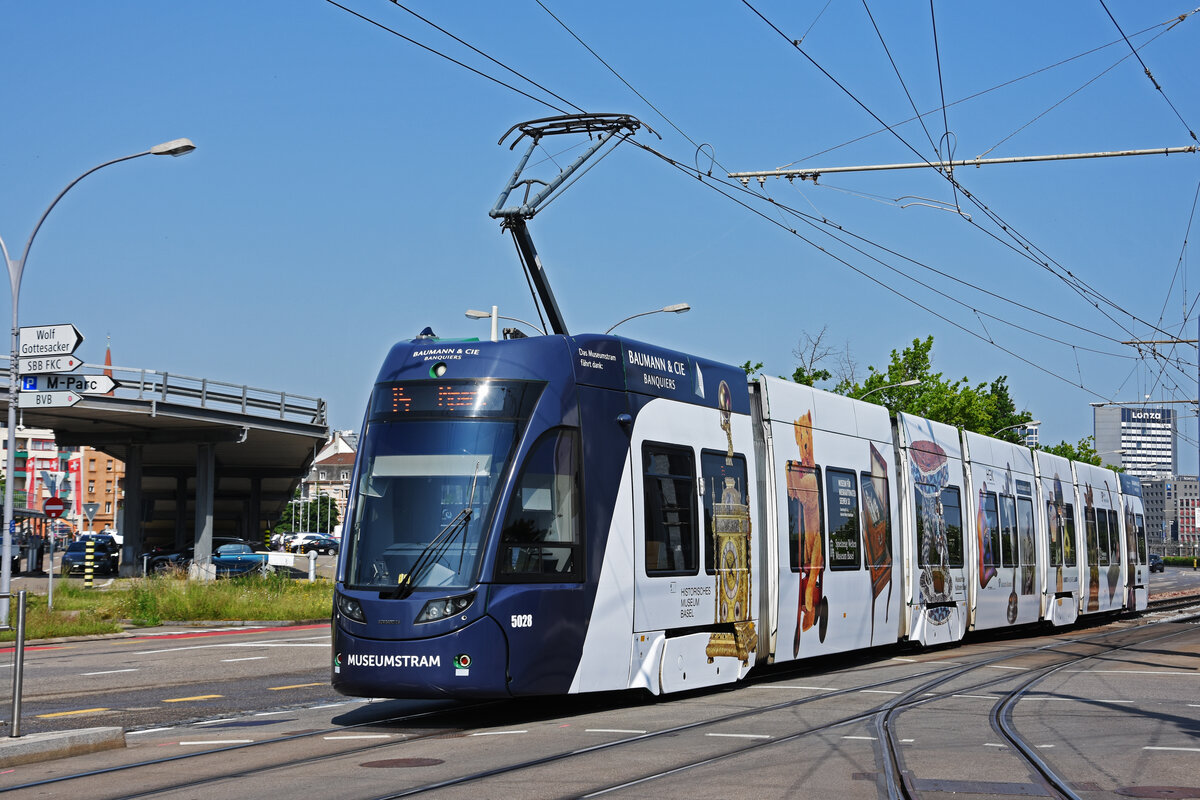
(89, 564)
(18, 666)
(312, 565)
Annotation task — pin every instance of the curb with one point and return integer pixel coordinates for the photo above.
(58, 744)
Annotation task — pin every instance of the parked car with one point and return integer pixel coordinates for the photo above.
(238, 558)
(1156, 563)
(182, 559)
(74, 559)
(319, 544)
(298, 542)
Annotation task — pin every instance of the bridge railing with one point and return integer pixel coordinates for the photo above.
(167, 387)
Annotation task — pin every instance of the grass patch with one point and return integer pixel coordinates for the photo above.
(170, 597)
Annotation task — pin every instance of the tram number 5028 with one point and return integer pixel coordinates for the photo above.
(522, 620)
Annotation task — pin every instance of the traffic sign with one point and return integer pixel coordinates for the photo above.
(54, 507)
(83, 384)
(90, 509)
(48, 399)
(49, 340)
(43, 364)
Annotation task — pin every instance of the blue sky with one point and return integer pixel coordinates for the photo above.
(338, 198)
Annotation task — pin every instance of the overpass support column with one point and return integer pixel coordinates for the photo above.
(202, 566)
(254, 529)
(181, 513)
(131, 546)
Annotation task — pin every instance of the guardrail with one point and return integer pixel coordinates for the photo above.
(165, 387)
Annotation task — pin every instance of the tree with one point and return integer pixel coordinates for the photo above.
(1084, 451)
(318, 514)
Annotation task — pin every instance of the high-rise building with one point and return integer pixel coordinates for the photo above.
(1142, 440)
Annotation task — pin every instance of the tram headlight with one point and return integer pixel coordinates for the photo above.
(351, 608)
(444, 607)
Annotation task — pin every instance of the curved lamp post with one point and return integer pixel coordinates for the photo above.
(16, 268)
(493, 316)
(1033, 423)
(678, 308)
(909, 382)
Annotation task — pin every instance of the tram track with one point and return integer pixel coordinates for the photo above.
(206, 767)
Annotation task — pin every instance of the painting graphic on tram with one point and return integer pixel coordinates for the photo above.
(984, 524)
(804, 519)
(1092, 549)
(1059, 542)
(731, 548)
(879, 535)
(1114, 550)
(931, 474)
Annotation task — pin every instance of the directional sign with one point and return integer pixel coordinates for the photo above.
(43, 364)
(53, 507)
(83, 384)
(49, 340)
(90, 509)
(48, 399)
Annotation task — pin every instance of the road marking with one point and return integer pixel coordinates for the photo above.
(861, 738)
(296, 686)
(1001, 666)
(149, 730)
(907, 741)
(1183, 749)
(1192, 674)
(610, 730)
(497, 733)
(793, 686)
(109, 672)
(359, 736)
(247, 658)
(994, 744)
(70, 713)
(215, 721)
(879, 691)
(740, 735)
(1044, 746)
(976, 696)
(197, 697)
(220, 741)
(272, 713)
(327, 705)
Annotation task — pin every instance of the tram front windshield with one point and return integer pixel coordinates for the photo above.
(432, 455)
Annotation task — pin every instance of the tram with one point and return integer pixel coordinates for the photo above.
(564, 514)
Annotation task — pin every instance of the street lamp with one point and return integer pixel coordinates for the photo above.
(16, 268)
(909, 382)
(494, 316)
(1033, 423)
(678, 308)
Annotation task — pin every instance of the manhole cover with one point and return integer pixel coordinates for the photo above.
(400, 763)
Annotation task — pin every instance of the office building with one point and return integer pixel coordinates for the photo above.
(1142, 440)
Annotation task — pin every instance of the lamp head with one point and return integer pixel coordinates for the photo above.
(678, 308)
(175, 147)
(473, 314)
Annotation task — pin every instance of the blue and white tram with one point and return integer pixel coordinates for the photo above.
(568, 514)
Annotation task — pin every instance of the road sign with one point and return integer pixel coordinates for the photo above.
(49, 340)
(48, 399)
(82, 384)
(90, 509)
(54, 507)
(43, 364)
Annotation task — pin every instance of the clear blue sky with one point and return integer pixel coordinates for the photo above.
(338, 198)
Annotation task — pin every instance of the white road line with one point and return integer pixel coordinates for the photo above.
(272, 713)
(1001, 666)
(1183, 749)
(909, 660)
(148, 730)
(1044, 746)
(327, 705)
(879, 691)
(1191, 674)
(247, 658)
(861, 738)
(907, 741)
(609, 730)
(793, 686)
(358, 736)
(109, 672)
(740, 735)
(975, 696)
(215, 721)
(219, 741)
(496, 733)
(994, 744)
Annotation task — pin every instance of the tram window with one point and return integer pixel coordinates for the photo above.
(723, 481)
(670, 478)
(1101, 542)
(841, 487)
(805, 517)
(1027, 557)
(1069, 534)
(989, 532)
(541, 539)
(1008, 531)
(1055, 528)
(1114, 538)
(1141, 538)
(877, 518)
(952, 512)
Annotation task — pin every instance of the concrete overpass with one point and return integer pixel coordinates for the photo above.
(201, 457)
